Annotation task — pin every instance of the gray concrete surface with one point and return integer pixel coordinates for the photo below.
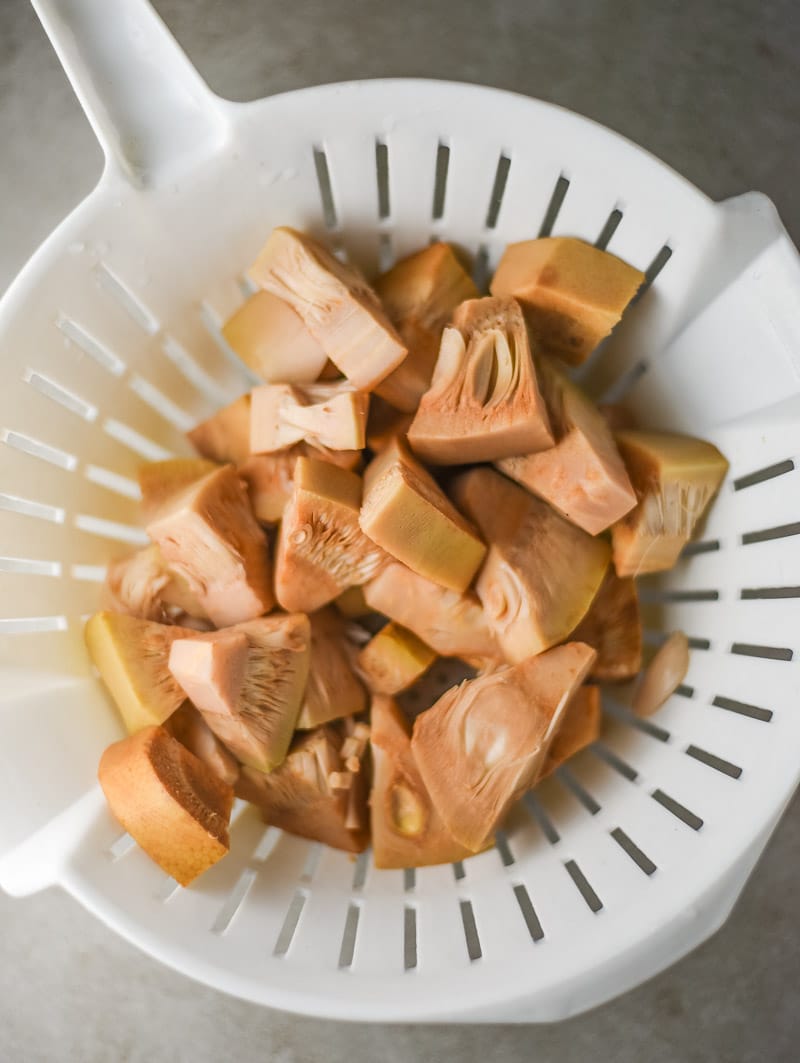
(711, 87)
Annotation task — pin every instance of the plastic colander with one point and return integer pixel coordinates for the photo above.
(111, 348)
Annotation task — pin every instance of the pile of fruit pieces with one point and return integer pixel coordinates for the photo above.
(419, 455)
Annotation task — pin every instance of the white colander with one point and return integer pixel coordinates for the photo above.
(111, 348)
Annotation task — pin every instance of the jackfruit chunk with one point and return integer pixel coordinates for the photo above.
(333, 689)
(541, 573)
(321, 548)
(159, 481)
(482, 744)
(142, 584)
(131, 656)
(225, 436)
(352, 603)
(269, 337)
(326, 415)
(207, 533)
(580, 726)
(407, 831)
(612, 627)
(169, 801)
(336, 304)
(248, 683)
(583, 475)
(572, 293)
(320, 790)
(452, 624)
(663, 675)
(675, 477)
(419, 294)
(484, 401)
(394, 659)
(188, 726)
(405, 512)
(269, 476)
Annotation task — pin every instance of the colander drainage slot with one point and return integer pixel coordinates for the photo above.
(409, 879)
(782, 531)
(652, 271)
(127, 298)
(583, 886)
(234, 900)
(608, 230)
(135, 441)
(440, 181)
(678, 810)
(615, 761)
(360, 870)
(535, 808)
(186, 365)
(290, 922)
(26, 566)
(702, 546)
(97, 351)
(713, 761)
(121, 846)
(347, 950)
(780, 468)
(741, 707)
(113, 481)
(504, 849)
(641, 859)
(498, 191)
(13, 504)
(312, 862)
(458, 871)
(111, 529)
(382, 175)
(480, 270)
(474, 950)
(37, 449)
(528, 912)
(26, 625)
(554, 206)
(160, 404)
(212, 323)
(749, 594)
(56, 393)
(409, 937)
(623, 715)
(325, 188)
(769, 653)
(565, 776)
(652, 596)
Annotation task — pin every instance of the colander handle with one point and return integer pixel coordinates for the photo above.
(151, 110)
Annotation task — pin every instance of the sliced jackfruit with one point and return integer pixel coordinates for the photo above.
(663, 675)
(142, 584)
(572, 293)
(174, 806)
(269, 476)
(270, 337)
(451, 623)
(159, 481)
(613, 627)
(352, 603)
(482, 744)
(338, 307)
(579, 727)
(248, 682)
(320, 790)
(321, 548)
(407, 831)
(326, 415)
(394, 659)
(225, 436)
(583, 475)
(188, 726)
(208, 535)
(131, 656)
(484, 401)
(419, 294)
(675, 477)
(333, 689)
(541, 573)
(406, 513)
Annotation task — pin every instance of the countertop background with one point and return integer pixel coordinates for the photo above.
(713, 88)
